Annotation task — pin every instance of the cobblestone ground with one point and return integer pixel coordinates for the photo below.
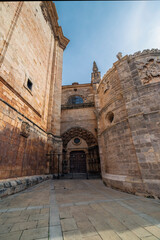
(78, 210)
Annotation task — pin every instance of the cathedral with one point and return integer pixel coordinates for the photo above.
(108, 128)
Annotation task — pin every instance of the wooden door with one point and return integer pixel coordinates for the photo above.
(77, 162)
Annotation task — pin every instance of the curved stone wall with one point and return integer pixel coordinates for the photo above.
(129, 123)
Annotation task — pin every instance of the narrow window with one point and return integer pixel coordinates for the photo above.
(29, 84)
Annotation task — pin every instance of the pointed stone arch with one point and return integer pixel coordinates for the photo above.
(79, 132)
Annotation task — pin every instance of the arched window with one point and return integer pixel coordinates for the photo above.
(75, 100)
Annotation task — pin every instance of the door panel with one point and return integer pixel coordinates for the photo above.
(77, 162)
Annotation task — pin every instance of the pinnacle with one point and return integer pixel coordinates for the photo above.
(95, 68)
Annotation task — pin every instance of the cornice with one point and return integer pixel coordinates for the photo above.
(51, 16)
(63, 41)
(77, 85)
(77, 106)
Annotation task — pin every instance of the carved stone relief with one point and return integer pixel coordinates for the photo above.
(25, 129)
(149, 70)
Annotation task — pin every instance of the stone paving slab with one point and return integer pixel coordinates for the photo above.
(72, 235)
(11, 236)
(96, 237)
(36, 233)
(23, 226)
(78, 210)
(68, 224)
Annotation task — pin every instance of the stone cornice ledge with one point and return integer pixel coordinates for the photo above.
(53, 20)
(76, 106)
(63, 41)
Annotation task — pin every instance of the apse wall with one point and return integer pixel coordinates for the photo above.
(129, 123)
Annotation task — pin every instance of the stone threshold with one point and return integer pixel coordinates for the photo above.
(15, 185)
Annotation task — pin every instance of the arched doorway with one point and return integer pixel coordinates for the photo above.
(77, 162)
(80, 152)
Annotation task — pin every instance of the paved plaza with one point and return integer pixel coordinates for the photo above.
(78, 209)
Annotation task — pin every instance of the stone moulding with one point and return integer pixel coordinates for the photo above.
(4, 81)
(132, 185)
(112, 100)
(112, 125)
(51, 16)
(106, 75)
(127, 183)
(77, 86)
(145, 51)
(63, 41)
(34, 124)
(127, 119)
(79, 132)
(76, 106)
(53, 138)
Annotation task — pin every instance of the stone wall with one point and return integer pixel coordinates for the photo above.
(23, 145)
(31, 45)
(78, 115)
(129, 140)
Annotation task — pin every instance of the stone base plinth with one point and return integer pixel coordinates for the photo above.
(124, 183)
(14, 185)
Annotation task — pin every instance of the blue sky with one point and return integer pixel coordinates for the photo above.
(98, 30)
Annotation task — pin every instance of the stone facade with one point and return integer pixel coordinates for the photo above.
(31, 55)
(48, 129)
